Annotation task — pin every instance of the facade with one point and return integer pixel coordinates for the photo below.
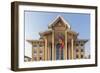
(59, 42)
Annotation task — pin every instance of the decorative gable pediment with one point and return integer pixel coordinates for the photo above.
(59, 24)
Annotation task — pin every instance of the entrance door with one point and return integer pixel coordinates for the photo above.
(59, 44)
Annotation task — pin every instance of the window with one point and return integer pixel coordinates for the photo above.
(35, 58)
(35, 52)
(34, 45)
(40, 51)
(81, 44)
(77, 50)
(76, 44)
(81, 56)
(40, 45)
(40, 58)
(77, 56)
(82, 50)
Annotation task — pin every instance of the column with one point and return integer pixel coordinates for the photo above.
(65, 49)
(72, 50)
(53, 58)
(48, 53)
(45, 52)
(32, 53)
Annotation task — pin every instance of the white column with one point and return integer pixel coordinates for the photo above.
(65, 49)
(48, 53)
(45, 52)
(72, 50)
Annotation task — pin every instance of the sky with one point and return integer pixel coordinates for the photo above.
(36, 22)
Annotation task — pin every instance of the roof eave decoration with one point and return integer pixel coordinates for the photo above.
(73, 32)
(58, 18)
(45, 32)
(28, 57)
(85, 40)
(31, 41)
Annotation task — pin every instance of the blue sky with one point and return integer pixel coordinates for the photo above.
(36, 22)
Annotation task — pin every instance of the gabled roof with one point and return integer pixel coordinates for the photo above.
(57, 19)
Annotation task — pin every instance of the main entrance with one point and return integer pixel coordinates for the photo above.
(59, 45)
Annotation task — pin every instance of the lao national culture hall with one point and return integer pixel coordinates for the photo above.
(59, 42)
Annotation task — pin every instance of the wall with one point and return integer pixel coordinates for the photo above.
(5, 36)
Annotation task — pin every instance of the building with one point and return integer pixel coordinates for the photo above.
(59, 42)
